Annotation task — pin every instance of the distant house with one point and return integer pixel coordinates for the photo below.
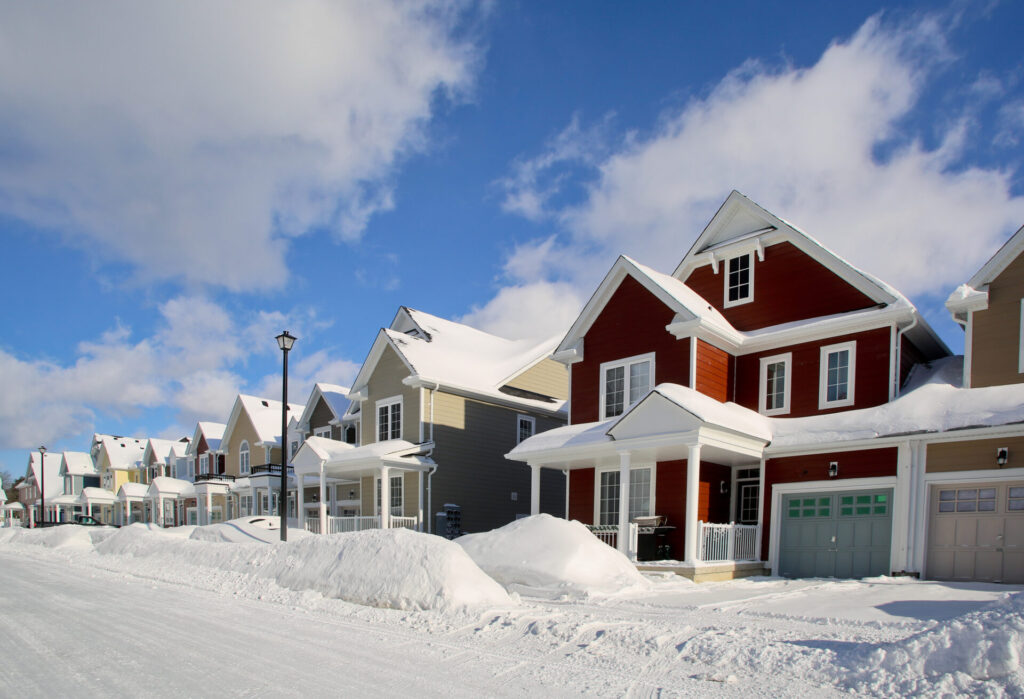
(160, 458)
(30, 488)
(118, 461)
(203, 464)
(436, 405)
(78, 472)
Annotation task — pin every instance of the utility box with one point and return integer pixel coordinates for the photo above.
(449, 523)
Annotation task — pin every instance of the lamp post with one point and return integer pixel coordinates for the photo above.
(42, 484)
(285, 342)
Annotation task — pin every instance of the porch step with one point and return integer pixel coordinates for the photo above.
(708, 572)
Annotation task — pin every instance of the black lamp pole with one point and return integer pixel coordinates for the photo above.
(42, 484)
(285, 342)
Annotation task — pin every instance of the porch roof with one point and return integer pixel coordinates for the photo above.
(14, 506)
(341, 460)
(164, 486)
(99, 495)
(66, 499)
(660, 427)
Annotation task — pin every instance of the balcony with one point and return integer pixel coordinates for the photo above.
(200, 477)
(268, 468)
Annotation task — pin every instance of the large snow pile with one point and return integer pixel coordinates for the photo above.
(951, 658)
(246, 530)
(393, 568)
(552, 554)
(69, 536)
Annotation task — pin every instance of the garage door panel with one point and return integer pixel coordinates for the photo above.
(881, 534)
(988, 565)
(965, 532)
(1013, 567)
(940, 564)
(990, 532)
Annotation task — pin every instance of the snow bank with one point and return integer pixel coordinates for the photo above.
(982, 646)
(546, 552)
(392, 568)
(68, 536)
(247, 530)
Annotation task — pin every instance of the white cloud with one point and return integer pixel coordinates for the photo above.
(824, 146)
(192, 139)
(191, 364)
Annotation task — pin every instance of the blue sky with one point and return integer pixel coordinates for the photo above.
(180, 182)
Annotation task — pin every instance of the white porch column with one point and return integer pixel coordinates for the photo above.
(760, 508)
(422, 525)
(323, 497)
(692, 493)
(623, 538)
(158, 511)
(127, 512)
(534, 490)
(385, 496)
(209, 506)
(300, 500)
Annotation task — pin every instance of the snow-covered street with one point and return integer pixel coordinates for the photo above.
(76, 618)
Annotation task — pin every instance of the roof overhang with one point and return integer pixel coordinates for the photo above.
(339, 460)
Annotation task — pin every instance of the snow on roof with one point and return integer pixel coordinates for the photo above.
(461, 357)
(132, 490)
(213, 432)
(96, 495)
(164, 448)
(729, 415)
(687, 297)
(163, 485)
(124, 453)
(78, 463)
(54, 483)
(335, 396)
(583, 434)
(265, 415)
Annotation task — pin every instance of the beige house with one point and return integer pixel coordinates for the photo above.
(118, 461)
(436, 405)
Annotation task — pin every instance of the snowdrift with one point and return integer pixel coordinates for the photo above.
(391, 568)
(68, 536)
(247, 530)
(552, 554)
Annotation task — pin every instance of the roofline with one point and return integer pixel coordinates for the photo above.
(370, 363)
(1000, 260)
(417, 381)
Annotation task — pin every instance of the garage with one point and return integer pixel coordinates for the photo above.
(976, 532)
(844, 534)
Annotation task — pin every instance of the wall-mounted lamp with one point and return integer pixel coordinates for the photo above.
(833, 469)
(723, 487)
(1002, 456)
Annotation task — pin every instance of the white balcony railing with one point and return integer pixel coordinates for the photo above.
(727, 542)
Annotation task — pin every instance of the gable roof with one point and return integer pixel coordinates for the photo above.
(458, 357)
(335, 396)
(973, 296)
(740, 225)
(54, 483)
(263, 413)
(212, 432)
(161, 449)
(77, 463)
(123, 453)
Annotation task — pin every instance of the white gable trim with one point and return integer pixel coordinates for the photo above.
(382, 341)
(998, 263)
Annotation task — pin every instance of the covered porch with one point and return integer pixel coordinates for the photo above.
(98, 503)
(324, 460)
(132, 498)
(690, 469)
(162, 497)
(13, 514)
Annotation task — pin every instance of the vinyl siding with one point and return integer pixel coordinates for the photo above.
(321, 418)
(973, 455)
(996, 331)
(386, 382)
(549, 378)
(714, 371)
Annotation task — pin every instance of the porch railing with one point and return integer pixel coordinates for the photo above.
(609, 534)
(403, 522)
(727, 542)
(343, 525)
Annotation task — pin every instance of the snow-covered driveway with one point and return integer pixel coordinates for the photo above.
(74, 621)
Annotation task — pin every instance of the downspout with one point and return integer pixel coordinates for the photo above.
(899, 353)
(430, 473)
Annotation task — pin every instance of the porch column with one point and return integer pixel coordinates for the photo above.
(623, 538)
(159, 511)
(332, 494)
(385, 496)
(760, 508)
(323, 497)
(128, 512)
(300, 500)
(692, 493)
(422, 525)
(209, 506)
(534, 490)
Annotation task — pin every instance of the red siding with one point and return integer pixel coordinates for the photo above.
(789, 285)
(581, 495)
(714, 369)
(670, 501)
(870, 463)
(631, 323)
(871, 382)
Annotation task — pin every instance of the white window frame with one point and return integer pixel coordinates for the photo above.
(625, 363)
(401, 495)
(787, 387)
(851, 377)
(750, 281)
(324, 432)
(633, 467)
(388, 402)
(244, 464)
(204, 463)
(529, 420)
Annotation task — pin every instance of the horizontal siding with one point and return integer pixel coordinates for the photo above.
(548, 377)
(974, 455)
(631, 323)
(385, 382)
(713, 371)
(996, 331)
(788, 286)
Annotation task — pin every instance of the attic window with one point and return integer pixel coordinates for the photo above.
(739, 280)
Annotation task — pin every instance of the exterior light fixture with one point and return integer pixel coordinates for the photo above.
(833, 469)
(723, 487)
(285, 341)
(1002, 456)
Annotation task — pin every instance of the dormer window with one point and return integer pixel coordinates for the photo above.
(625, 382)
(739, 280)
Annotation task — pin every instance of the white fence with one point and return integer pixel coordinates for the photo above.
(342, 525)
(406, 522)
(609, 534)
(727, 542)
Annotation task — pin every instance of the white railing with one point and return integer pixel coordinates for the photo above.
(313, 526)
(404, 522)
(727, 542)
(344, 525)
(609, 534)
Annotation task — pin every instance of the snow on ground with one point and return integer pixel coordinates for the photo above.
(544, 555)
(257, 619)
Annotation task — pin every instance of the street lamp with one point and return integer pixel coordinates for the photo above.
(42, 484)
(285, 342)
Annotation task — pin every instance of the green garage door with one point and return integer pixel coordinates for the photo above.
(841, 535)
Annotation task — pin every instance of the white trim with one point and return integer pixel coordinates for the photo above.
(968, 348)
(726, 303)
(388, 402)
(378, 495)
(625, 363)
(520, 419)
(851, 375)
(244, 448)
(781, 489)
(1020, 341)
(653, 466)
(204, 462)
(762, 395)
(693, 362)
(324, 432)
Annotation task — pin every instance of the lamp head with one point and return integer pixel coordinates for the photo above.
(285, 341)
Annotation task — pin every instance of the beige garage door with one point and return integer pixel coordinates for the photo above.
(976, 532)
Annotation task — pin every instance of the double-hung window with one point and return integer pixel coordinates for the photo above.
(389, 419)
(395, 496)
(641, 495)
(776, 384)
(625, 382)
(838, 370)
(244, 465)
(204, 463)
(324, 432)
(526, 426)
(739, 280)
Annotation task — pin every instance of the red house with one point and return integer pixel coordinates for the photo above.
(758, 324)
